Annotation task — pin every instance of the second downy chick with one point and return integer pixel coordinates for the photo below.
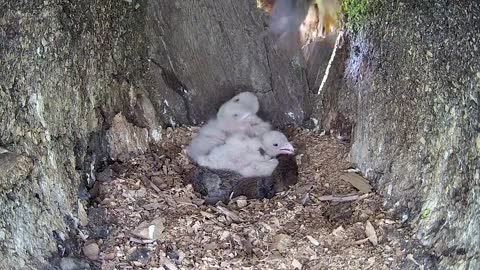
(230, 119)
(256, 126)
(248, 156)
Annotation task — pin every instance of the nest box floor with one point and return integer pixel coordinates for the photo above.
(151, 220)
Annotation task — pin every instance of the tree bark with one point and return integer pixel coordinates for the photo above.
(407, 89)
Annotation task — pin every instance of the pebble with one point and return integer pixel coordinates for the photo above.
(91, 251)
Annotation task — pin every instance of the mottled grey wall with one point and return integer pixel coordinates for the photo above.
(78, 77)
(67, 67)
(203, 52)
(409, 85)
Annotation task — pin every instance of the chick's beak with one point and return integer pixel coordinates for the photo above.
(287, 149)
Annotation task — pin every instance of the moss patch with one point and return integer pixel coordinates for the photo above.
(356, 12)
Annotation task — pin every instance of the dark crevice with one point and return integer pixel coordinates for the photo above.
(267, 52)
(172, 82)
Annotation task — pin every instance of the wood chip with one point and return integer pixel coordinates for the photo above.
(241, 203)
(313, 240)
(166, 262)
(234, 217)
(207, 215)
(296, 264)
(361, 241)
(371, 234)
(150, 230)
(332, 198)
(357, 181)
(82, 214)
(152, 206)
(281, 242)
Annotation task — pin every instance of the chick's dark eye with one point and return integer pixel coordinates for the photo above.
(237, 100)
(235, 114)
(275, 144)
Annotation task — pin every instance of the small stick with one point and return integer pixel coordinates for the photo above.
(347, 198)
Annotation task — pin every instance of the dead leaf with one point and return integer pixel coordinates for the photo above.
(234, 217)
(357, 181)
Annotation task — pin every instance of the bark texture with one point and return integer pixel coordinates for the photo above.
(79, 77)
(202, 52)
(407, 89)
(86, 83)
(67, 67)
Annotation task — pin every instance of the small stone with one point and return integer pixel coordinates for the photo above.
(91, 251)
(339, 232)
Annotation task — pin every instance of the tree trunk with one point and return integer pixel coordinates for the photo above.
(76, 76)
(408, 89)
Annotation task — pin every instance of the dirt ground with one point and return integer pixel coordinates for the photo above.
(144, 217)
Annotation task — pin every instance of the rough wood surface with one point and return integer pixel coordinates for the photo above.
(408, 91)
(202, 52)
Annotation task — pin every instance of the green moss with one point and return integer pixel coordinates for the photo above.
(356, 12)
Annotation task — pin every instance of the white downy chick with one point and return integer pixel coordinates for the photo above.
(257, 126)
(230, 119)
(238, 151)
(273, 143)
(243, 154)
(250, 101)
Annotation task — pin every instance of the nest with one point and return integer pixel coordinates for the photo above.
(155, 221)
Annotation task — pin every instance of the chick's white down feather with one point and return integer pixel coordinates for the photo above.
(242, 154)
(231, 118)
(256, 126)
(248, 99)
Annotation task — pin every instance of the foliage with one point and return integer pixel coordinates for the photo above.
(356, 12)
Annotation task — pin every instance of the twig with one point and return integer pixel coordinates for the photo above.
(347, 198)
